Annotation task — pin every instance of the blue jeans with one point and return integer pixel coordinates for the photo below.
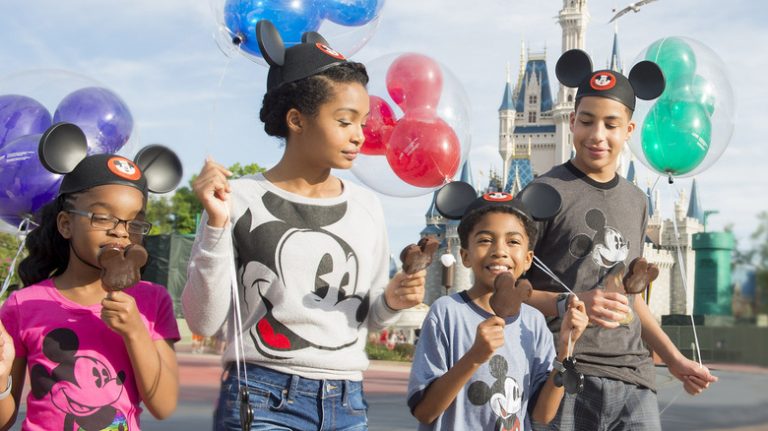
(289, 402)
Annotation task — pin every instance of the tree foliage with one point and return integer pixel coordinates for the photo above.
(181, 212)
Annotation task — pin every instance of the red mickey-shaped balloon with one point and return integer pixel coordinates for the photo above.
(378, 128)
(424, 152)
(415, 82)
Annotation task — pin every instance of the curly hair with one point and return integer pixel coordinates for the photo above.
(306, 95)
(48, 250)
(469, 221)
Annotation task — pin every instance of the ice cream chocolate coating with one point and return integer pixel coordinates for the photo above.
(508, 294)
(416, 257)
(120, 266)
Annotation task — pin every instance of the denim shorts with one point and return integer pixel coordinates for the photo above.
(288, 402)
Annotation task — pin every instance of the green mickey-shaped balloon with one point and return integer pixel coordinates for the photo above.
(676, 136)
(675, 58)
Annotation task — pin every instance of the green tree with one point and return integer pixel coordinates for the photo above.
(180, 212)
(9, 245)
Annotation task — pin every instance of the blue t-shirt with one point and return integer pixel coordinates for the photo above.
(497, 395)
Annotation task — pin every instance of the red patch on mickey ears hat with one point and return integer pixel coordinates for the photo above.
(328, 50)
(497, 197)
(124, 168)
(602, 81)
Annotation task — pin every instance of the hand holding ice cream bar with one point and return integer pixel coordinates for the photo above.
(508, 294)
(416, 257)
(120, 266)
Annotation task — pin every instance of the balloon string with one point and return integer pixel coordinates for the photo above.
(539, 264)
(672, 401)
(681, 266)
(21, 232)
(215, 108)
(237, 319)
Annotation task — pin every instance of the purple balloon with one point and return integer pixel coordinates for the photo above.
(21, 115)
(25, 185)
(101, 114)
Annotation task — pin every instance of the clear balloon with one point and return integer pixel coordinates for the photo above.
(101, 114)
(25, 185)
(346, 24)
(423, 151)
(378, 128)
(698, 101)
(21, 115)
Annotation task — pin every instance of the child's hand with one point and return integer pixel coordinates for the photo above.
(574, 322)
(405, 290)
(488, 338)
(119, 312)
(605, 309)
(7, 352)
(212, 190)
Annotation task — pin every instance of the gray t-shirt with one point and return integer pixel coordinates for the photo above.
(499, 393)
(598, 232)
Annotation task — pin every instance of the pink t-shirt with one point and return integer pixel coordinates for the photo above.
(79, 369)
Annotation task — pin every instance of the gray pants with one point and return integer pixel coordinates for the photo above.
(607, 405)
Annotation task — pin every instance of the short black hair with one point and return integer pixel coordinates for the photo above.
(306, 95)
(578, 101)
(469, 221)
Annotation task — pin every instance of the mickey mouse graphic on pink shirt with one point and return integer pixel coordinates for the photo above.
(83, 387)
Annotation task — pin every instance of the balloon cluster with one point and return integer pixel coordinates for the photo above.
(293, 18)
(679, 131)
(25, 185)
(421, 148)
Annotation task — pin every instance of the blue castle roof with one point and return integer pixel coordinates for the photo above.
(506, 101)
(534, 69)
(694, 205)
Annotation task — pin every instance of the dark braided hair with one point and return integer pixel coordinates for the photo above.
(306, 95)
(48, 250)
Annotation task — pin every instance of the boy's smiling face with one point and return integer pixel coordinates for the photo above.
(497, 243)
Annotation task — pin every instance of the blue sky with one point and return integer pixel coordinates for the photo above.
(161, 58)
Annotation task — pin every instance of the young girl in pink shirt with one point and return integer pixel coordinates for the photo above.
(94, 351)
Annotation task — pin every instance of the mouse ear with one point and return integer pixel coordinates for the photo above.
(62, 147)
(573, 67)
(453, 199)
(313, 37)
(541, 200)
(161, 167)
(270, 43)
(647, 80)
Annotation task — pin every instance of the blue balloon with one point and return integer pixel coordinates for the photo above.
(291, 17)
(101, 114)
(21, 115)
(25, 185)
(351, 12)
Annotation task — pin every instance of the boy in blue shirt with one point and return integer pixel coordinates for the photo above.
(473, 369)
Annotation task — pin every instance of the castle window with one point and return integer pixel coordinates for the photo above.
(533, 99)
(531, 117)
(570, 98)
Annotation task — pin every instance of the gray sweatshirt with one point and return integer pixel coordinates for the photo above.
(310, 275)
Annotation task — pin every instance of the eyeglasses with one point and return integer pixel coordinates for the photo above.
(109, 222)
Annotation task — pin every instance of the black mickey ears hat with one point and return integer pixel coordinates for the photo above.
(646, 81)
(63, 150)
(311, 56)
(538, 201)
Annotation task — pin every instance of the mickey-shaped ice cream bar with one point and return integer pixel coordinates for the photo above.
(639, 275)
(645, 81)
(416, 257)
(311, 56)
(120, 268)
(509, 294)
